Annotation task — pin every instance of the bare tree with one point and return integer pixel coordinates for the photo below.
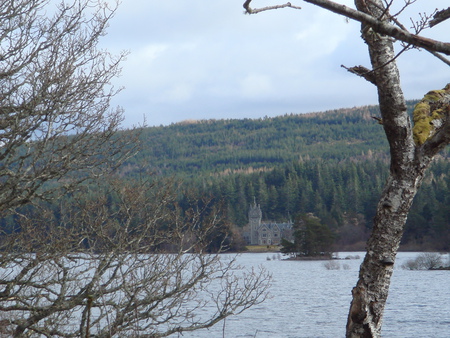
(55, 93)
(123, 261)
(413, 144)
(116, 260)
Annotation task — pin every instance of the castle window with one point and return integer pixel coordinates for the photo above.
(264, 235)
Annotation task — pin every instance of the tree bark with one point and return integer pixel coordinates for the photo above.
(371, 292)
(408, 165)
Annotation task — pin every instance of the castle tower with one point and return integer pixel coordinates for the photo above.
(254, 220)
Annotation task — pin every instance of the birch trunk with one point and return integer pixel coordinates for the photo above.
(408, 165)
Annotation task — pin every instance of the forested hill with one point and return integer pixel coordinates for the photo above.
(332, 164)
(193, 147)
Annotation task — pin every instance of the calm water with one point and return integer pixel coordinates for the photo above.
(310, 301)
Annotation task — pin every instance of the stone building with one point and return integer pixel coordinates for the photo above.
(265, 233)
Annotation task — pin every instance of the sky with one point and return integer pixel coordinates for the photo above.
(198, 59)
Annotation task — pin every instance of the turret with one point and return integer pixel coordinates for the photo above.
(254, 219)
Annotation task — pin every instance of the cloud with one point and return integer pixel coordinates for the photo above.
(149, 52)
(179, 92)
(197, 60)
(255, 85)
(320, 41)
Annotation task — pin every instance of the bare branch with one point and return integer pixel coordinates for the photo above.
(440, 16)
(383, 27)
(440, 57)
(421, 24)
(250, 10)
(369, 75)
(406, 5)
(127, 253)
(362, 72)
(379, 119)
(378, 25)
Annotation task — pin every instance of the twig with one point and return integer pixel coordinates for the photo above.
(379, 119)
(440, 57)
(407, 4)
(369, 75)
(250, 10)
(363, 72)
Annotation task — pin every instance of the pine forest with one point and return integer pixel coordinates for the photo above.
(331, 164)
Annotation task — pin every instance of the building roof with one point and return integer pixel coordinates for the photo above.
(273, 225)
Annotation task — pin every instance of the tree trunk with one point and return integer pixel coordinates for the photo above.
(407, 168)
(370, 294)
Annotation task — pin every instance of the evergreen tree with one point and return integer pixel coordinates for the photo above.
(311, 238)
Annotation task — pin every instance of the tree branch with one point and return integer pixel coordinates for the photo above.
(369, 75)
(440, 17)
(440, 57)
(379, 26)
(383, 27)
(250, 10)
(363, 72)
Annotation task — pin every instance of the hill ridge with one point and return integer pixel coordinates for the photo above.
(194, 147)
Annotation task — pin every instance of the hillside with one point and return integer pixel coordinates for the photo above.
(333, 164)
(215, 146)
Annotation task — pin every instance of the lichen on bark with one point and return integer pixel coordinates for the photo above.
(429, 114)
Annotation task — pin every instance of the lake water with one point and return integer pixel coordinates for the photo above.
(307, 300)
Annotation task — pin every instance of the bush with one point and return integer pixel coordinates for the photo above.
(332, 265)
(425, 261)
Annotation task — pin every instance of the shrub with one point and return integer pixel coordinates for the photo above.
(424, 261)
(332, 265)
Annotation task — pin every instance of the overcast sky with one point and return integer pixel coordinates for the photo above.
(200, 59)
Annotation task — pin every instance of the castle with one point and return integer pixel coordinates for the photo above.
(265, 233)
